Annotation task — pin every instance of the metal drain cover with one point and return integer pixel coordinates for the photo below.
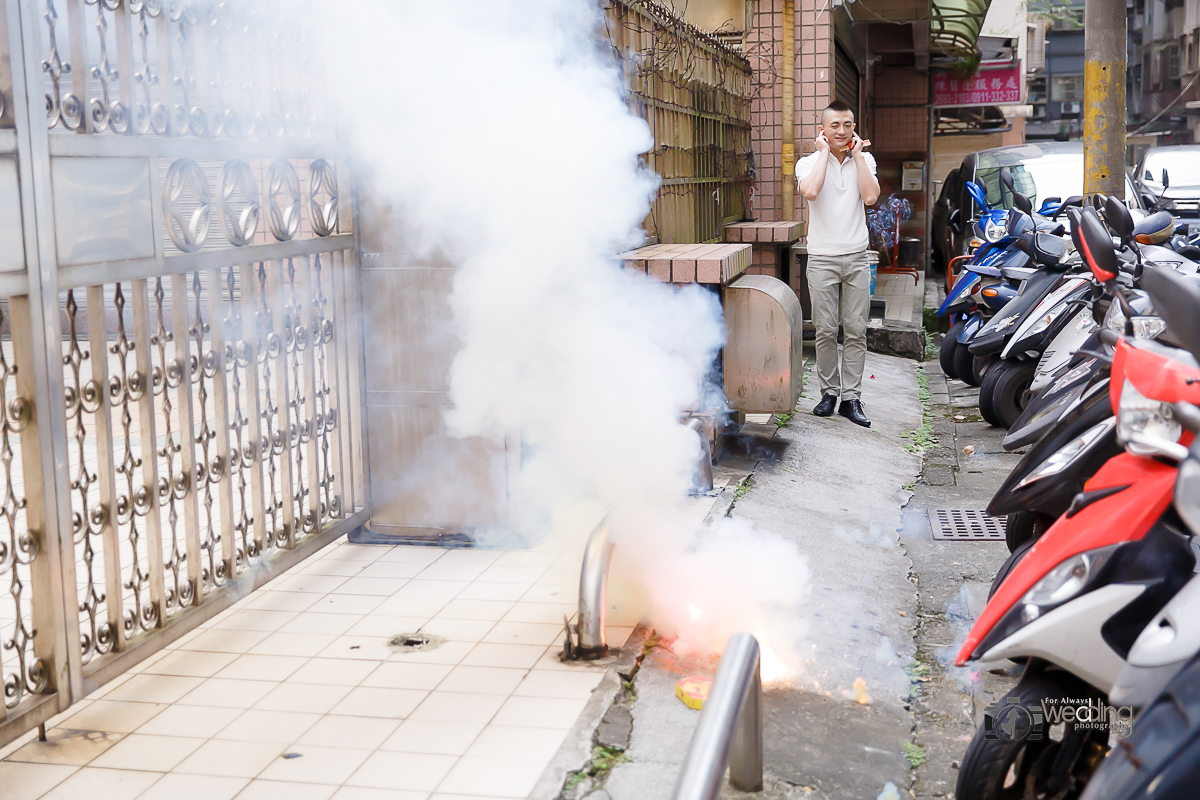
(966, 525)
(411, 642)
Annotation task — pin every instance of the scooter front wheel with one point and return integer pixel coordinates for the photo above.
(950, 347)
(1013, 754)
(987, 388)
(964, 366)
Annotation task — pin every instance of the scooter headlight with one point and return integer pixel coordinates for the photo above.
(1148, 327)
(1146, 420)
(1065, 581)
(994, 232)
(1069, 453)
(1047, 319)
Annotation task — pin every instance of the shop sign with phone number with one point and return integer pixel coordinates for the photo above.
(988, 87)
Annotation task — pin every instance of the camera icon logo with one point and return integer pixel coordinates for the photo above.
(1013, 721)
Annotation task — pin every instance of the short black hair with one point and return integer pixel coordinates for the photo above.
(837, 106)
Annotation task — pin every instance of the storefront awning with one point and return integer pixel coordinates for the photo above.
(955, 25)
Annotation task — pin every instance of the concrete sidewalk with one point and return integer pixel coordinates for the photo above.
(837, 491)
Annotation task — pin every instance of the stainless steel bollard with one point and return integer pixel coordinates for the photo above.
(730, 728)
(593, 593)
(702, 476)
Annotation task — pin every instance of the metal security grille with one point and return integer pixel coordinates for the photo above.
(180, 364)
(846, 80)
(965, 525)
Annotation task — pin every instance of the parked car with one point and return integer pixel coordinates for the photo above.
(1045, 172)
(1182, 197)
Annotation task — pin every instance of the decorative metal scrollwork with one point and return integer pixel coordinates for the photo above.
(239, 203)
(64, 108)
(283, 193)
(323, 197)
(187, 204)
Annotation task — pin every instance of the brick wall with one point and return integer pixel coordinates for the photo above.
(762, 48)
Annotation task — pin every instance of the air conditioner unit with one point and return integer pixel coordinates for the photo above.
(1072, 108)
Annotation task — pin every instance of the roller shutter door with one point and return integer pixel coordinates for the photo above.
(845, 80)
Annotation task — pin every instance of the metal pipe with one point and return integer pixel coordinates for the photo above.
(788, 112)
(593, 593)
(730, 728)
(702, 476)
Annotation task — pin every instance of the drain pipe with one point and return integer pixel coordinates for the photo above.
(730, 728)
(702, 476)
(593, 594)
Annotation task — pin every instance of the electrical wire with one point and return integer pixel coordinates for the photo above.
(1168, 107)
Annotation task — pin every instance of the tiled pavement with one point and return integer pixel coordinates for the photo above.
(294, 693)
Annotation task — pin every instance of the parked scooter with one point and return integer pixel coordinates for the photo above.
(1080, 596)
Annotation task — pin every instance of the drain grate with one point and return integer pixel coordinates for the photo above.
(409, 642)
(966, 525)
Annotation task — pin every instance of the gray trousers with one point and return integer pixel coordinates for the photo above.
(840, 289)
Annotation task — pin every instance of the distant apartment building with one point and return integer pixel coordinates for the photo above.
(1056, 83)
(1164, 94)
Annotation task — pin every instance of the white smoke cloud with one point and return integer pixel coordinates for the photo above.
(497, 130)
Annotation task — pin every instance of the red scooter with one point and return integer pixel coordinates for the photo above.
(1074, 604)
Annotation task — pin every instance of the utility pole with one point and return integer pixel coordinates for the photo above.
(1104, 42)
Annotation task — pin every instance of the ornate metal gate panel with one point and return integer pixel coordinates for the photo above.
(180, 370)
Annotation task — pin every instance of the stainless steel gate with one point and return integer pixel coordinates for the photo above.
(180, 370)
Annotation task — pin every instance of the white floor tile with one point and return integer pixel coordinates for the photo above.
(561, 593)
(552, 660)
(303, 697)
(559, 683)
(365, 733)
(363, 793)
(309, 764)
(407, 606)
(194, 787)
(114, 716)
(526, 744)
(413, 555)
(491, 610)
(157, 753)
(331, 566)
(538, 633)
(320, 584)
(385, 626)
(546, 613)
(492, 777)
(432, 590)
(281, 601)
(526, 558)
(266, 668)
(458, 630)
(293, 644)
(191, 664)
(66, 747)
(470, 557)
(198, 721)
(103, 784)
(31, 781)
(228, 693)
(503, 574)
(154, 688)
(493, 591)
(279, 790)
(230, 759)
(356, 552)
(335, 624)
(381, 587)
(402, 771)
(347, 604)
(428, 736)
(347, 672)
(540, 712)
(443, 570)
(517, 656)
(445, 653)
(254, 619)
(482, 680)
(366, 701)
(392, 569)
(368, 648)
(224, 640)
(459, 707)
(393, 675)
(268, 726)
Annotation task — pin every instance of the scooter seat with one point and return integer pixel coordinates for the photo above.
(1154, 229)
(1017, 273)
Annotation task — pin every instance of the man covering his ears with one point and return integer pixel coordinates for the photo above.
(838, 181)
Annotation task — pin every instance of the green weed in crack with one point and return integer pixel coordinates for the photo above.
(922, 438)
(915, 754)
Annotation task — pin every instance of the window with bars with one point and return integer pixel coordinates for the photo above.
(1066, 89)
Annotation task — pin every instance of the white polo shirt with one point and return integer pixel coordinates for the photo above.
(837, 219)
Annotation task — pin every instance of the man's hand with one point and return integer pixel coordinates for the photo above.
(857, 145)
(821, 144)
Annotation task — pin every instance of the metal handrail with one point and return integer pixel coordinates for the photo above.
(730, 728)
(593, 594)
(702, 476)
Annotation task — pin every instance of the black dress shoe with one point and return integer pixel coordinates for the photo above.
(826, 406)
(853, 411)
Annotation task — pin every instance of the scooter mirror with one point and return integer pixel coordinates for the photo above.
(1166, 181)
(1095, 245)
(1176, 298)
(1074, 200)
(1022, 202)
(1117, 215)
(977, 194)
